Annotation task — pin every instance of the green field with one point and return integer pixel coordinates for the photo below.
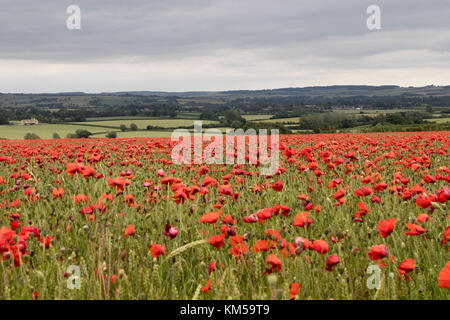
(151, 134)
(439, 120)
(45, 131)
(142, 124)
(255, 117)
(283, 120)
(93, 119)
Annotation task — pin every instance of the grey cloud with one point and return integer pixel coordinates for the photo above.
(151, 29)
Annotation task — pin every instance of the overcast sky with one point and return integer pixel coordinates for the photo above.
(187, 45)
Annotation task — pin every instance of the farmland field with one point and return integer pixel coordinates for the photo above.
(142, 124)
(439, 120)
(255, 117)
(98, 128)
(283, 120)
(137, 226)
(44, 131)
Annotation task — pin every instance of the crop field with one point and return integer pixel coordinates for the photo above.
(120, 118)
(44, 131)
(283, 120)
(98, 128)
(439, 120)
(345, 216)
(256, 117)
(142, 124)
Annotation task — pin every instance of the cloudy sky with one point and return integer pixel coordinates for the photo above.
(187, 45)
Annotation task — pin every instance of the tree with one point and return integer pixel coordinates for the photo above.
(231, 116)
(236, 124)
(133, 127)
(429, 109)
(56, 135)
(31, 136)
(4, 119)
(111, 135)
(123, 127)
(82, 133)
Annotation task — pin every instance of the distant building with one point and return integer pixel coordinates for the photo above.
(28, 122)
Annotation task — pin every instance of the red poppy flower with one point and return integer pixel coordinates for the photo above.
(275, 263)
(206, 288)
(364, 191)
(444, 277)
(277, 186)
(295, 289)
(169, 231)
(301, 220)
(423, 202)
(58, 193)
(320, 246)
(157, 250)
(261, 245)
(238, 249)
(332, 261)
(272, 234)
(118, 183)
(386, 227)
(405, 267)
(339, 194)
(129, 231)
(446, 237)
(377, 252)
(211, 217)
(216, 241)
(422, 217)
(415, 230)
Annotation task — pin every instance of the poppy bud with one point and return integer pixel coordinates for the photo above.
(272, 280)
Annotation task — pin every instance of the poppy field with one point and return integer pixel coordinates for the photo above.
(346, 216)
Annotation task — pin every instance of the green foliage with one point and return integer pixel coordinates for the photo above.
(111, 135)
(3, 119)
(153, 128)
(133, 127)
(209, 115)
(31, 136)
(82, 133)
(332, 121)
(233, 118)
(56, 135)
(123, 127)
